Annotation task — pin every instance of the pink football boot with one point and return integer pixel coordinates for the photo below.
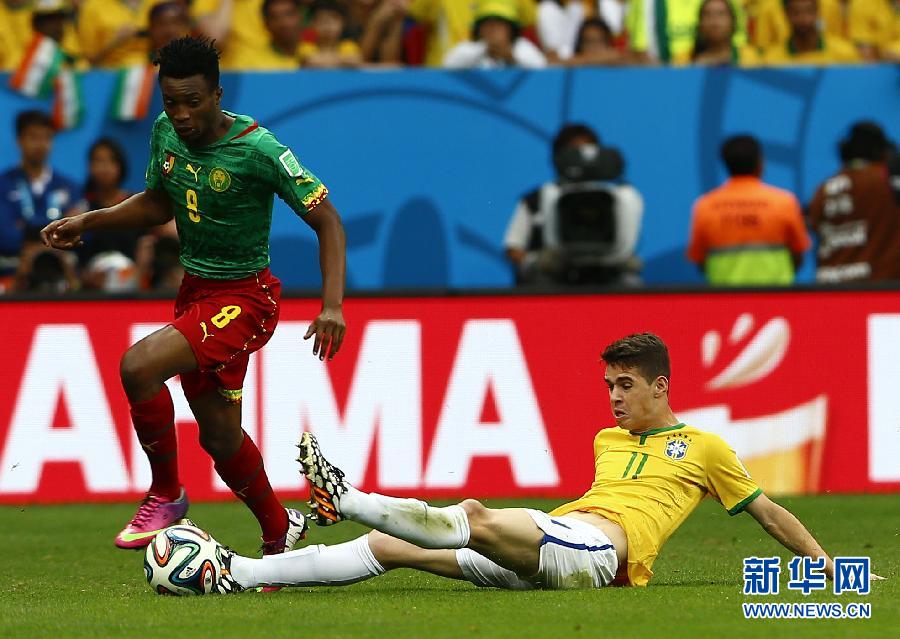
(153, 515)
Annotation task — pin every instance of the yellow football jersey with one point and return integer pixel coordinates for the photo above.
(650, 483)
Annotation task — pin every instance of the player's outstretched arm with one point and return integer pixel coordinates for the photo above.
(148, 208)
(787, 530)
(329, 326)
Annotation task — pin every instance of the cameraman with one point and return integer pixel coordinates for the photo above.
(538, 240)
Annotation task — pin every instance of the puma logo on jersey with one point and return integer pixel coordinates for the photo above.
(206, 333)
(194, 172)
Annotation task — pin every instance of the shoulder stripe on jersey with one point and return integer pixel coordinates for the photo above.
(249, 129)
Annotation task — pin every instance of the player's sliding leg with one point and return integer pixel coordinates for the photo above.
(341, 564)
(509, 538)
(240, 465)
(144, 369)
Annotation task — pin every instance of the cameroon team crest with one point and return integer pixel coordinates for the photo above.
(676, 448)
(219, 180)
(168, 164)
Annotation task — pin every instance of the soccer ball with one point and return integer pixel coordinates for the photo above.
(183, 560)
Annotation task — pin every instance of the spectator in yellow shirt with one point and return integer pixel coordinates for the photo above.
(808, 43)
(16, 32)
(283, 21)
(111, 32)
(329, 50)
(449, 22)
(865, 23)
(715, 43)
(238, 28)
(168, 20)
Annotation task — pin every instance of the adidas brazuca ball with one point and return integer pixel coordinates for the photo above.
(183, 560)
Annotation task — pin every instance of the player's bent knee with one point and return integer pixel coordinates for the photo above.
(134, 373)
(474, 509)
(481, 529)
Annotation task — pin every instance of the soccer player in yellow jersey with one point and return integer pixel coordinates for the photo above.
(651, 471)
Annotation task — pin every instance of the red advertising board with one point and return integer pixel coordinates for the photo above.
(482, 396)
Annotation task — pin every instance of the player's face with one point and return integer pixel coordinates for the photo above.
(35, 143)
(633, 400)
(715, 22)
(803, 15)
(192, 107)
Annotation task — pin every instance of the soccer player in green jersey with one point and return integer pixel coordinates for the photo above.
(216, 173)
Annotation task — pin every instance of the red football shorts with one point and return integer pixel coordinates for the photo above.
(224, 321)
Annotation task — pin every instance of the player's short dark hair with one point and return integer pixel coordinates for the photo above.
(570, 132)
(267, 4)
(32, 117)
(189, 56)
(643, 352)
(742, 155)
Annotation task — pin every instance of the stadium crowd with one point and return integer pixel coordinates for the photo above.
(290, 34)
(854, 215)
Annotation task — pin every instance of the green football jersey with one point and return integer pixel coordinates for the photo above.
(223, 193)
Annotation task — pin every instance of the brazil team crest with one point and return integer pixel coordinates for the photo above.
(219, 180)
(676, 448)
(168, 164)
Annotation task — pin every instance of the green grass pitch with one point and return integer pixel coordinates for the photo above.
(60, 576)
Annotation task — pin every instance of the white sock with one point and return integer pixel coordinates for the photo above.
(408, 519)
(320, 565)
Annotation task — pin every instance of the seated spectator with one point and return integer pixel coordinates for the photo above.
(865, 23)
(594, 46)
(747, 233)
(43, 270)
(558, 25)
(715, 41)
(449, 22)
(107, 170)
(498, 41)
(856, 214)
(665, 30)
(283, 22)
(32, 194)
(112, 32)
(329, 50)
(381, 30)
(581, 228)
(21, 19)
(238, 28)
(167, 21)
(158, 263)
(807, 43)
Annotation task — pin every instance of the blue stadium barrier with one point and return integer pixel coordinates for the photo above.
(426, 166)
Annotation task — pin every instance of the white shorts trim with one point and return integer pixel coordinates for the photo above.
(574, 554)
